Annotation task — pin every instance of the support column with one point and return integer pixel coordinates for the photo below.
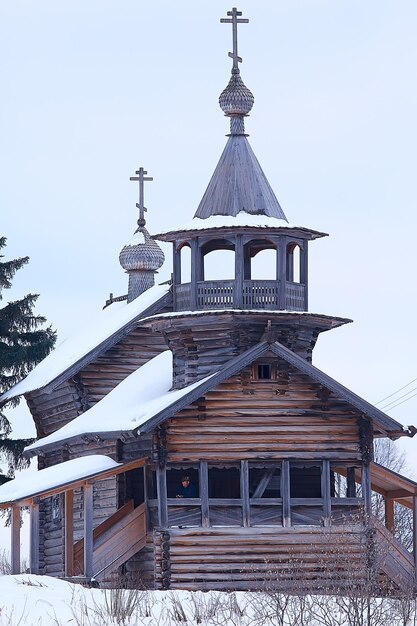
(15, 540)
(69, 533)
(285, 494)
(205, 514)
(389, 514)
(282, 272)
(366, 489)
(304, 272)
(325, 492)
(194, 273)
(34, 536)
(415, 533)
(161, 481)
(238, 290)
(244, 492)
(88, 530)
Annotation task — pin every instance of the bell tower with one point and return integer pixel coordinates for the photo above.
(215, 320)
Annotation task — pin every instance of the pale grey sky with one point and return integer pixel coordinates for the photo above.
(91, 90)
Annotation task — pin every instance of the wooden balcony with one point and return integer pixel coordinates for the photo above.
(253, 294)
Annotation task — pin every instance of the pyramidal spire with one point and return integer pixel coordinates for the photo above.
(238, 183)
(236, 100)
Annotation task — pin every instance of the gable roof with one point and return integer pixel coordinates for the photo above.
(239, 184)
(74, 353)
(143, 401)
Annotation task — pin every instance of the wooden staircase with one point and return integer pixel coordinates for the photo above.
(395, 561)
(115, 541)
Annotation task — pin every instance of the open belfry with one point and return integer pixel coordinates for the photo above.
(185, 440)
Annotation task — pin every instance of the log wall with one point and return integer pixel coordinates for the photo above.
(243, 418)
(254, 559)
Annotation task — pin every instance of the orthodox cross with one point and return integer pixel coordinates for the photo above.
(141, 178)
(234, 20)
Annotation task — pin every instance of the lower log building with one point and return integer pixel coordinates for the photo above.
(187, 441)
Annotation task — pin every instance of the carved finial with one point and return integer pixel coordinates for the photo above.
(234, 20)
(236, 100)
(141, 178)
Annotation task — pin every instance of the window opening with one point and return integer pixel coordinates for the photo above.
(183, 483)
(265, 482)
(185, 264)
(263, 371)
(264, 265)
(224, 482)
(219, 265)
(305, 482)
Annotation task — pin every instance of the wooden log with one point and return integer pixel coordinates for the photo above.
(88, 530)
(15, 540)
(34, 536)
(69, 532)
(205, 515)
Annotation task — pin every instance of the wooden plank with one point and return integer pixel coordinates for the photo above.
(415, 533)
(205, 514)
(325, 491)
(351, 482)
(34, 537)
(161, 481)
(69, 532)
(366, 488)
(244, 492)
(88, 530)
(285, 493)
(15, 540)
(389, 514)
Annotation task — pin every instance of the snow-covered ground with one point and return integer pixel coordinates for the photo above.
(27, 600)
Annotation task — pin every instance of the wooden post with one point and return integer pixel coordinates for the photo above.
(238, 290)
(244, 492)
(34, 536)
(350, 483)
(282, 272)
(69, 533)
(415, 533)
(88, 530)
(304, 272)
(286, 495)
(325, 492)
(389, 514)
(205, 514)
(161, 481)
(194, 274)
(15, 540)
(366, 489)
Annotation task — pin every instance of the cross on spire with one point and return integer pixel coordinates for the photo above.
(141, 178)
(234, 20)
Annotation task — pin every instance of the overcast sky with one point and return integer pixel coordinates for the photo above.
(91, 90)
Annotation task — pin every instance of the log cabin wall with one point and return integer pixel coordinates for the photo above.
(205, 343)
(244, 418)
(73, 397)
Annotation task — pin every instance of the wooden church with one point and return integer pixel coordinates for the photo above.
(185, 440)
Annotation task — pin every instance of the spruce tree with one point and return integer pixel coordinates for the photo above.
(23, 343)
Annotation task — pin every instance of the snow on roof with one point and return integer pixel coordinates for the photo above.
(93, 333)
(230, 221)
(29, 483)
(136, 399)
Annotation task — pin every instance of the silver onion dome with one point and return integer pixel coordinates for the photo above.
(141, 253)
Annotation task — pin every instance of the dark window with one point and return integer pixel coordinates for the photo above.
(305, 482)
(224, 482)
(264, 371)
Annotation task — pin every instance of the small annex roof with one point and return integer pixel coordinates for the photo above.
(135, 400)
(29, 484)
(143, 401)
(98, 335)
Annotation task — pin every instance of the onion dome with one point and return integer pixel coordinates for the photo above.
(236, 99)
(141, 253)
(141, 257)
